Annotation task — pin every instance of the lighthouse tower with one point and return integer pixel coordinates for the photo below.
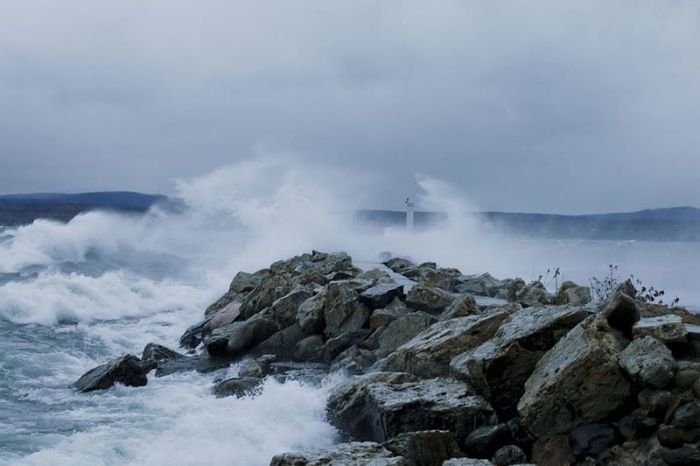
(409, 214)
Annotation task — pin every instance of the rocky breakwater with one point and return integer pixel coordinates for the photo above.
(451, 369)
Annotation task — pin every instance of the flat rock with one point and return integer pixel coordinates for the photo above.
(126, 370)
(379, 411)
(381, 294)
(577, 381)
(499, 367)
(667, 328)
(343, 454)
(429, 353)
(648, 362)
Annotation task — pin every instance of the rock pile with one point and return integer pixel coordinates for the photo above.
(448, 369)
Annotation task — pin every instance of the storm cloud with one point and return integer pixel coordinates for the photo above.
(554, 106)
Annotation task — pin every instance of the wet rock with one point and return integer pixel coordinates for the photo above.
(577, 381)
(509, 455)
(399, 264)
(282, 343)
(193, 335)
(238, 387)
(383, 317)
(574, 295)
(159, 353)
(671, 437)
(429, 353)
(267, 292)
(590, 440)
(552, 451)
(402, 330)
(310, 313)
(345, 454)
(637, 425)
(242, 284)
(687, 416)
(425, 448)
(250, 368)
(429, 299)
(667, 328)
(499, 367)
(648, 362)
(234, 339)
(382, 294)
(685, 378)
(202, 363)
(484, 441)
(354, 360)
(467, 462)
(342, 309)
(380, 410)
(464, 305)
(284, 310)
(126, 370)
(310, 348)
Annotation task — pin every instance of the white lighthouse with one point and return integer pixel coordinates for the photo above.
(409, 214)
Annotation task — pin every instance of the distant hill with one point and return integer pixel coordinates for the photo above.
(669, 224)
(18, 209)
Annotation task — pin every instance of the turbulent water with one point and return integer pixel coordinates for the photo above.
(74, 295)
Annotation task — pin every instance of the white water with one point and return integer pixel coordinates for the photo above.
(75, 295)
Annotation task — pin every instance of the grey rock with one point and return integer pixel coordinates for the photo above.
(577, 381)
(284, 310)
(202, 363)
(238, 387)
(309, 349)
(534, 294)
(499, 367)
(590, 440)
(267, 292)
(335, 346)
(310, 313)
(424, 448)
(382, 294)
(342, 310)
(648, 362)
(193, 335)
(399, 264)
(509, 455)
(238, 337)
(463, 305)
(484, 441)
(242, 284)
(250, 368)
(159, 353)
(354, 360)
(380, 410)
(429, 299)
(383, 317)
(685, 379)
(666, 328)
(467, 462)
(282, 343)
(126, 370)
(482, 285)
(402, 330)
(574, 295)
(344, 454)
(429, 353)
(687, 416)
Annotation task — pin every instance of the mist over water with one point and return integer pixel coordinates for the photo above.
(74, 295)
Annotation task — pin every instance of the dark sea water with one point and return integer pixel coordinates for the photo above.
(75, 295)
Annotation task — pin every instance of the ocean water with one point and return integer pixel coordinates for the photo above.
(75, 295)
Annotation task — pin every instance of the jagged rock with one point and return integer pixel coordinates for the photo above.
(126, 370)
(310, 313)
(233, 339)
(482, 285)
(250, 368)
(159, 353)
(238, 387)
(383, 317)
(443, 278)
(354, 360)
(334, 346)
(464, 305)
(429, 353)
(667, 328)
(574, 295)
(534, 294)
(342, 310)
(687, 416)
(398, 264)
(193, 335)
(380, 410)
(382, 294)
(509, 455)
(344, 454)
(637, 425)
(577, 381)
(283, 342)
(425, 448)
(552, 451)
(202, 363)
(402, 330)
(241, 284)
(284, 310)
(267, 292)
(484, 441)
(648, 362)
(429, 299)
(499, 367)
(590, 440)
(309, 349)
(621, 313)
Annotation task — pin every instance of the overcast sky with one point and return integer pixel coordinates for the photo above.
(552, 106)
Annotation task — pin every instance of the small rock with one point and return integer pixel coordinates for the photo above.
(648, 362)
(429, 299)
(685, 379)
(637, 426)
(592, 439)
(344, 454)
(310, 348)
(687, 455)
(621, 313)
(509, 455)
(552, 451)
(126, 370)
(250, 368)
(425, 448)
(671, 437)
(159, 353)
(687, 416)
(484, 441)
(382, 294)
(460, 307)
(238, 387)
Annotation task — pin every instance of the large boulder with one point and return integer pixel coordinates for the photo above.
(648, 362)
(429, 353)
(236, 338)
(262, 296)
(382, 294)
(463, 305)
(429, 299)
(574, 295)
(379, 411)
(345, 454)
(534, 294)
(284, 310)
(242, 284)
(401, 330)
(126, 370)
(424, 448)
(343, 311)
(159, 353)
(577, 381)
(667, 328)
(499, 367)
